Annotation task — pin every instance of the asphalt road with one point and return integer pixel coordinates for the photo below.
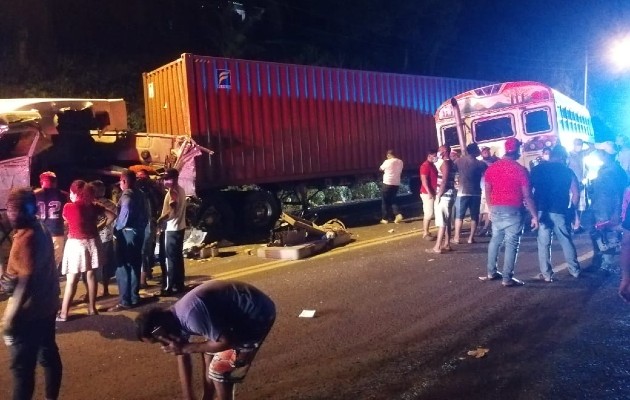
(391, 322)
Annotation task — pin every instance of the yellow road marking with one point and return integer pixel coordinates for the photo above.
(284, 263)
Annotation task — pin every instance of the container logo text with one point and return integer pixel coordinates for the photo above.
(224, 80)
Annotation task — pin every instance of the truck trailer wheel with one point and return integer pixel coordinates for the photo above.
(216, 218)
(261, 210)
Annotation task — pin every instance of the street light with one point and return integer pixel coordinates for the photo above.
(619, 57)
(620, 53)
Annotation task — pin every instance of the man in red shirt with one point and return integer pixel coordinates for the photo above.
(507, 190)
(428, 178)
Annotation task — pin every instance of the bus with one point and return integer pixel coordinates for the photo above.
(532, 112)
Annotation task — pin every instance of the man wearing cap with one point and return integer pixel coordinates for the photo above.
(553, 184)
(507, 189)
(172, 224)
(50, 202)
(606, 199)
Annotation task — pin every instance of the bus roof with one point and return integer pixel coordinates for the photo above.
(505, 95)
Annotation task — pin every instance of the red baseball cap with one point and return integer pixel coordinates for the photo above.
(512, 145)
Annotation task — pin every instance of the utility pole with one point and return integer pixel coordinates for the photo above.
(585, 76)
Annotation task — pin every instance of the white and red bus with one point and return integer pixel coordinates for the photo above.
(532, 112)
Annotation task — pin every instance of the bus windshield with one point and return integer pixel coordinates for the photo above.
(493, 129)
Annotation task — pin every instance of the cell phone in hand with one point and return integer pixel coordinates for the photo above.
(160, 335)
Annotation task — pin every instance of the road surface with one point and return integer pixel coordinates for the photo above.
(391, 322)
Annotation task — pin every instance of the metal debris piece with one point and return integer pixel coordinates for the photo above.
(479, 352)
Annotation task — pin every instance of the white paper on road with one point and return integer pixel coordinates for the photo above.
(307, 314)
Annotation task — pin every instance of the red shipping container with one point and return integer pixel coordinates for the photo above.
(275, 124)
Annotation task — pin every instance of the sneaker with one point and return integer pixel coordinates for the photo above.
(544, 278)
(513, 282)
(118, 307)
(398, 219)
(494, 277)
(384, 221)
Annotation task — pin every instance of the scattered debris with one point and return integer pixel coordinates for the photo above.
(209, 250)
(478, 353)
(391, 231)
(307, 314)
(297, 238)
(248, 252)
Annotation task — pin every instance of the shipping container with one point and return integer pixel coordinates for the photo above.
(282, 126)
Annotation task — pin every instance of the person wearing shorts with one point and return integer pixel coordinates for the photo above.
(232, 317)
(444, 198)
(468, 198)
(428, 178)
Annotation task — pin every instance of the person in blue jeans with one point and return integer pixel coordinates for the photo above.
(555, 186)
(507, 190)
(129, 232)
(606, 192)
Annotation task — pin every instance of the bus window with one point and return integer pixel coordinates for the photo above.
(537, 121)
(492, 129)
(450, 136)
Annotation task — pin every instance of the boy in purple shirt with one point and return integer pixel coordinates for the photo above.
(233, 317)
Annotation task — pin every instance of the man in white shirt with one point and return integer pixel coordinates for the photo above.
(391, 168)
(172, 224)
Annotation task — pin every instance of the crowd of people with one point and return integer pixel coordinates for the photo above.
(82, 235)
(500, 196)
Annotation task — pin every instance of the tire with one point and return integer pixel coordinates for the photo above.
(216, 217)
(261, 210)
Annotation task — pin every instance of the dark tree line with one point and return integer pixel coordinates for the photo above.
(87, 48)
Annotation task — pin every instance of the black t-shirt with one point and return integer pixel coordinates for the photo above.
(50, 204)
(551, 182)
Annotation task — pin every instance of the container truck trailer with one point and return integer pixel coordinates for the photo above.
(282, 127)
(273, 128)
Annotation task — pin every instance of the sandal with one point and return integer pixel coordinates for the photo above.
(60, 318)
(433, 251)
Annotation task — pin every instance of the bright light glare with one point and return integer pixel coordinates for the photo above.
(620, 53)
(593, 163)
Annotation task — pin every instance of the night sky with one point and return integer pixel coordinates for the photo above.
(111, 43)
(547, 41)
